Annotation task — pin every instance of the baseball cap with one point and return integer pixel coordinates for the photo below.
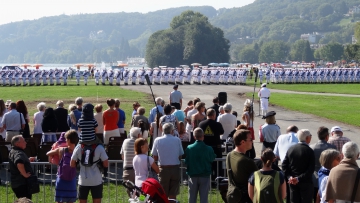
(263, 85)
(336, 129)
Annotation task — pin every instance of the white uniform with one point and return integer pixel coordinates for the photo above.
(77, 76)
(97, 76)
(264, 94)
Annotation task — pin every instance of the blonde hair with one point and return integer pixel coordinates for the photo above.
(271, 120)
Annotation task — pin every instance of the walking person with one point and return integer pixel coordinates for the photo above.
(199, 158)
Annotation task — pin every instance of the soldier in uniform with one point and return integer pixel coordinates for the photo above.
(103, 76)
(157, 75)
(17, 75)
(51, 77)
(86, 75)
(44, 77)
(23, 76)
(97, 76)
(133, 76)
(260, 75)
(111, 77)
(166, 76)
(142, 77)
(264, 95)
(64, 75)
(77, 76)
(188, 76)
(118, 77)
(37, 77)
(126, 77)
(31, 77)
(57, 76)
(151, 75)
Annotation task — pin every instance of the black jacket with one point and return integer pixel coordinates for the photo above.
(299, 162)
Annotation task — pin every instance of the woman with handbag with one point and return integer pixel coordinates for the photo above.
(20, 169)
(143, 163)
(65, 188)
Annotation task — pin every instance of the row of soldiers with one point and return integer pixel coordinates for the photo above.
(34, 77)
(310, 75)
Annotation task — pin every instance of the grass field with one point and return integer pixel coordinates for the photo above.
(320, 88)
(90, 94)
(345, 110)
(112, 193)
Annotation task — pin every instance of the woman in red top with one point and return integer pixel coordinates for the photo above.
(110, 120)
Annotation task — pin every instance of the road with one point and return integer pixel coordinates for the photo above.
(236, 96)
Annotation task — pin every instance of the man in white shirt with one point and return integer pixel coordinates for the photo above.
(264, 95)
(285, 141)
(227, 120)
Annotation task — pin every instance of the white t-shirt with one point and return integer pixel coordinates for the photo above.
(141, 168)
(228, 122)
(188, 116)
(38, 117)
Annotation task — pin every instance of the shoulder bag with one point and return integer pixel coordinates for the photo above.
(151, 172)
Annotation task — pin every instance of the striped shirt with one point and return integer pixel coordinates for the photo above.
(128, 151)
(87, 128)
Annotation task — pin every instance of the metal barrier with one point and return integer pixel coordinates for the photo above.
(113, 191)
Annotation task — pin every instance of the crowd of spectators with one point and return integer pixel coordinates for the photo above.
(307, 172)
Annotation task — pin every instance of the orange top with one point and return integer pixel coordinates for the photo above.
(110, 118)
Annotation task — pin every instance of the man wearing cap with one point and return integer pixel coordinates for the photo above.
(264, 95)
(176, 98)
(337, 138)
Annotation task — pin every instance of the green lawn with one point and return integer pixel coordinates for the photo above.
(345, 110)
(111, 194)
(321, 88)
(91, 94)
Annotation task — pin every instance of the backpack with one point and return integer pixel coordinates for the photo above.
(87, 156)
(65, 171)
(266, 187)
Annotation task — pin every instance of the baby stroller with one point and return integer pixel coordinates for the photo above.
(151, 192)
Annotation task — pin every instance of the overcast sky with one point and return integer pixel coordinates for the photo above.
(18, 10)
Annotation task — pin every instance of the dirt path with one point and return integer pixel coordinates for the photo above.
(236, 96)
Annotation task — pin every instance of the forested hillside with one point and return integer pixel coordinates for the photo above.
(115, 36)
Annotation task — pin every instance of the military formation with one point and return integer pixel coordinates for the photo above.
(311, 75)
(185, 75)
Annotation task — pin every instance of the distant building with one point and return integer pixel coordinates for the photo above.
(353, 39)
(97, 35)
(316, 46)
(312, 38)
(354, 9)
(136, 60)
